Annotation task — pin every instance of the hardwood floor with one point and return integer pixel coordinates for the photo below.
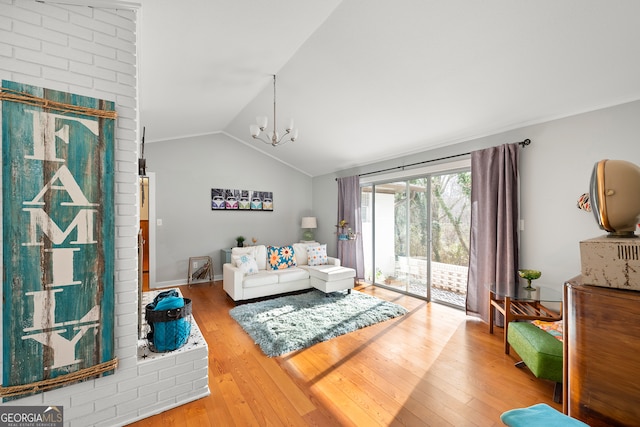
(432, 367)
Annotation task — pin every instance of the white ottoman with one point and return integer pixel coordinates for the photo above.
(331, 278)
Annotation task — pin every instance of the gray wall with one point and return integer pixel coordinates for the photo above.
(555, 171)
(187, 169)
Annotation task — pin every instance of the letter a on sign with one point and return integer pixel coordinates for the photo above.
(58, 234)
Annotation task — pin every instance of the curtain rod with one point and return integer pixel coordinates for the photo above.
(521, 144)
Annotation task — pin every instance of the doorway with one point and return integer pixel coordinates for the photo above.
(147, 232)
(143, 238)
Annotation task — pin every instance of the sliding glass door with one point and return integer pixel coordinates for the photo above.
(416, 234)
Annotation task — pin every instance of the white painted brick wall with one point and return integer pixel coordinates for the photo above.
(92, 52)
(191, 376)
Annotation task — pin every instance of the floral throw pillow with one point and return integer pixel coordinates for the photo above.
(554, 328)
(281, 257)
(317, 255)
(246, 263)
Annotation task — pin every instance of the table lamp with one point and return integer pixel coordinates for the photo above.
(308, 223)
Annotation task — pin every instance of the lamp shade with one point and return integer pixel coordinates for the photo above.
(309, 222)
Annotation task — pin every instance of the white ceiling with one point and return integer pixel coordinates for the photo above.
(369, 80)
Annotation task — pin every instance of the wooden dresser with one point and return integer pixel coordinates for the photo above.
(601, 354)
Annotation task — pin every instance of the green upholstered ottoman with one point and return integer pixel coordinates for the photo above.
(539, 350)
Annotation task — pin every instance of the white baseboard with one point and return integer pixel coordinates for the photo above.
(173, 283)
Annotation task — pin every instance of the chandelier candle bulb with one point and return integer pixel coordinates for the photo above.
(263, 121)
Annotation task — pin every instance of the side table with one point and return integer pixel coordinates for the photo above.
(522, 304)
(225, 256)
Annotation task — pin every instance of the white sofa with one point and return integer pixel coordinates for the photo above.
(265, 282)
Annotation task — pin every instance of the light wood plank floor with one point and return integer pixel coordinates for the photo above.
(432, 367)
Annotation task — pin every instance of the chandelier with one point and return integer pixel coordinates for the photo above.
(273, 138)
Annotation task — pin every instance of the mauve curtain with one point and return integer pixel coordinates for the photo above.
(493, 256)
(351, 252)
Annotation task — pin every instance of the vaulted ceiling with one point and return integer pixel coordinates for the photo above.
(369, 80)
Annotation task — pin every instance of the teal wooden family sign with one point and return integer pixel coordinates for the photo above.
(58, 238)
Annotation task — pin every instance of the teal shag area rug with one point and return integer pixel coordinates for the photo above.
(290, 323)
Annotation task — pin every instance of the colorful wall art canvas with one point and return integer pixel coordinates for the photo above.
(243, 200)
(58, 238)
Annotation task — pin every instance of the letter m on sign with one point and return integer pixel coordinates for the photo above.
(58, 233)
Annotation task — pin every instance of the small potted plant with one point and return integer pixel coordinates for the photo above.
(240, 240)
